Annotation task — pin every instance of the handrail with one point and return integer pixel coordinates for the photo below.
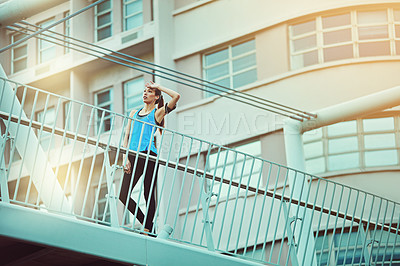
(210, 176)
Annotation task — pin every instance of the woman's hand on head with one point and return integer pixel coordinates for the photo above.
(152, 85)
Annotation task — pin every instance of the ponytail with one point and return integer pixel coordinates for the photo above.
(160, 102)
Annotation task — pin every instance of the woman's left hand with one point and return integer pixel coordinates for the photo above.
(152, 85)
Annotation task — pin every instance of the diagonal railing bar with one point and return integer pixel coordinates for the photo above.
(210, 176)
(295, 111)
(296, 116)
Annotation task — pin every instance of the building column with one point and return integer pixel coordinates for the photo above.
(163, 50)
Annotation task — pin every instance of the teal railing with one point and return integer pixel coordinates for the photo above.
(65, 156)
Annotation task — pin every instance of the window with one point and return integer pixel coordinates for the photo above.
(67, 32)
(48, 118)
(104, 99)
(47, 50)
(353, 34)
(347, 248)
(19, 53)
(133, 91)
(133, 14)
(396, 15)
(103, 20)
(357, 144)
(229, 164)
(232, 67)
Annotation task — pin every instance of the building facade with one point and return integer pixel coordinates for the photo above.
(308, 55)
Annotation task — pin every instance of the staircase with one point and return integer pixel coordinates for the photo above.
(60, 187)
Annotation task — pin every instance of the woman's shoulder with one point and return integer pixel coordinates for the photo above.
(132, 113)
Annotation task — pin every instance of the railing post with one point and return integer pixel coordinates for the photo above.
(206, 194)
(112, 199)
(365, 244)
(291, 241)
(3, 175)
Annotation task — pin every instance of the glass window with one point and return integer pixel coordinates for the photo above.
(396, 15)
(47, 50)
(216, 57)
(313, 149)
(370, 17)
(373, 32)
(133, 14)
(103, 20)
(343, 36)
(353, 144)
(337, 36)
(314, 134)
(374, 49)
(133, 92)
(305, 43)
(48, 118)
(381, 158)
(376, 141)
(344, 128)
(338, 52)
(19, 53)
(336, 21)
(304, 28)
(343, 161)
(340, 145)
(316, 166)
(347, 248)
(305, 59)
(104, 99)
(378, 124)
(231, 67)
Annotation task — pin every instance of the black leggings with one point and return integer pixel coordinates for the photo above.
(123, 196)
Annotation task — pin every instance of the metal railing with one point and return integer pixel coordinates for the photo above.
(66, 156)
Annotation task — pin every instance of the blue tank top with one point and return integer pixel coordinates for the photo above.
(148, 132)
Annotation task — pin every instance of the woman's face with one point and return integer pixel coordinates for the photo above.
(149, 95)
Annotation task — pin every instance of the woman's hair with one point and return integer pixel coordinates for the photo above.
(160, 102)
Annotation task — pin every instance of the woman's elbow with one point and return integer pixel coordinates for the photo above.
(177, 96)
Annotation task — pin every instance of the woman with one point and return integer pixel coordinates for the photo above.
(142, 140)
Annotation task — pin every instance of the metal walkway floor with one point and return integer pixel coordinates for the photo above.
(31, 237)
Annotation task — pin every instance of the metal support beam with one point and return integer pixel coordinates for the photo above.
(300, 186)
(365, 244)
(3, 171)
(41, 173)
(206, 195)
(112, 198)
(291, 240)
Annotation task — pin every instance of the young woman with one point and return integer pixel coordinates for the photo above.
(143, 140)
